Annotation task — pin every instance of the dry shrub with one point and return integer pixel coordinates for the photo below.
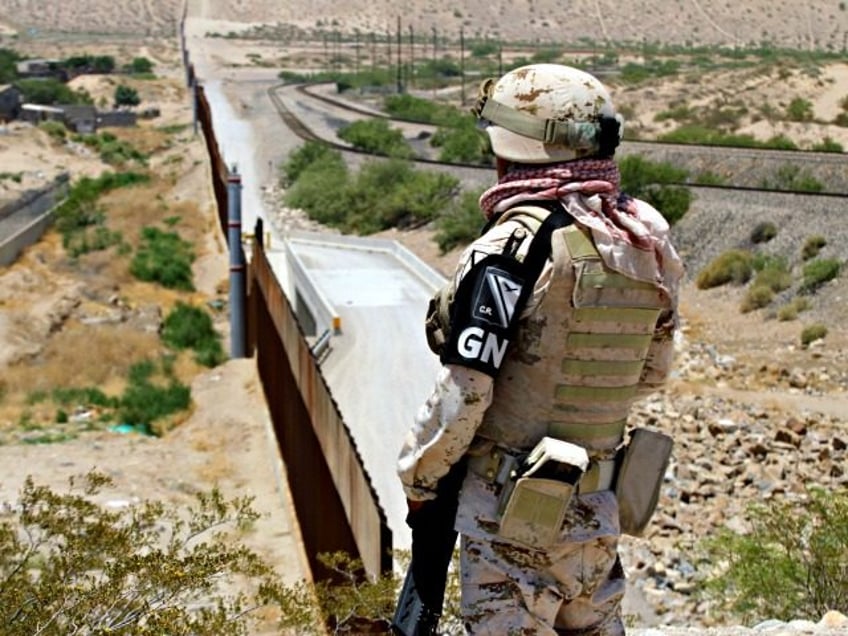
(99, 355)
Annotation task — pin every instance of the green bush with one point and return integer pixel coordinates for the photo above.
(463, 143)
(812, 246)
(772, 271)
(9, 59)
(387, 194)
(49, 91)
(312, 152)
(383, 194)
(126, 96)
(112, 150)
(152, 393)
(828, 145)
(791, 177)
(81, 222)
(652, 181)
(819, 272)
(812, 333)
(763, 232)
(799, 109)
(406, 106)
(55, 129)
(733, 266)
(141, 66)
(376, 136)
(189, 327)
(460, 223)
(790, 565)
(70, 566)
(164, 258)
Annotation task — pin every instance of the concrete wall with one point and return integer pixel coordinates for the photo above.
(23, 223)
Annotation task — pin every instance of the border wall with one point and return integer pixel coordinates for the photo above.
(336, 505)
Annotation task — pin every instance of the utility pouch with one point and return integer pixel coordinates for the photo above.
(640, 476)
(534, 502)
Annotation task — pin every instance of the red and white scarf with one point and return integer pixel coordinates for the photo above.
(631, 236)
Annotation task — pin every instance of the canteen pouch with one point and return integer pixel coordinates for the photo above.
(534, 501)
(640, 476)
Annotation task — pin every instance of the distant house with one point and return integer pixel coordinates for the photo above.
(41, 68)
(124, 118)
(81, 118)
(37, 113)
(10, 102)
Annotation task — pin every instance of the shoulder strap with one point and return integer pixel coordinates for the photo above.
(540, 249)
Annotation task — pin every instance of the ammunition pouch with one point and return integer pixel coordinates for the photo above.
(535, 489)
(641, 470)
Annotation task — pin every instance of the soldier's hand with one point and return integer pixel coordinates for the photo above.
(413, 505)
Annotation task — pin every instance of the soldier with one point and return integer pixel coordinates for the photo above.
(557, 319)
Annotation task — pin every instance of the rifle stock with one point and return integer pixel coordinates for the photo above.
(422, 596)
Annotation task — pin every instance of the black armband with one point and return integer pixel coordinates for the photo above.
(485, 313)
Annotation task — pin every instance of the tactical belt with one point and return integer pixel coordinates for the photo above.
(496, 466)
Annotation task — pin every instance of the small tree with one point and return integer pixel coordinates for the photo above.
(141, 65)
(126, 96)
(69, 566)
(791, 564)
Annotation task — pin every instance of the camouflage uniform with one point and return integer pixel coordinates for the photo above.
(595, 335)
(576, 585)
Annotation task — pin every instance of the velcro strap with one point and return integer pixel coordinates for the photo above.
(599, 476)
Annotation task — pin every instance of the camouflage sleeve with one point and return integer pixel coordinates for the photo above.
(443, 429)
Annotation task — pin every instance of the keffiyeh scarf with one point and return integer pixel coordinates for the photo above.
(631, 236)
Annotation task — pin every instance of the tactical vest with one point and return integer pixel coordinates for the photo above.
(574, 369)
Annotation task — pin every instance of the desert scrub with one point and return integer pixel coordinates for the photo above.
(189, 327)
(460, 223)
(733, 266)
(757, 297)
(79, 219)
(791, 309)
(655, 183)
(763, 232)
(163, 258)
(69, 565)
(812, 333)
(819, 272)
(812, 246)
(376, 136)
(789, 565)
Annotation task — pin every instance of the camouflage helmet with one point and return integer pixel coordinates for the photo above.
(544, 113)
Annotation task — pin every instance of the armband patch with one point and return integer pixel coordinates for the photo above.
(485, 314)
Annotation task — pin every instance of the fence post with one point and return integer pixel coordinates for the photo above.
(238, 340)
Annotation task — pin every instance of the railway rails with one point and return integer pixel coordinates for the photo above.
(482, 173)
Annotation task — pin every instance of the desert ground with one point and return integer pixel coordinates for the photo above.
(60, 320)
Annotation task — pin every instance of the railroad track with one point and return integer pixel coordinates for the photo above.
(300, 128)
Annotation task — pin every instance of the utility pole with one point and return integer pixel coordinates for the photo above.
(411, 78)
(434, 61)
(399, 60)
(462, 65)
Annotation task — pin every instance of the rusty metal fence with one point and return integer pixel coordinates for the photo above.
(336, 505)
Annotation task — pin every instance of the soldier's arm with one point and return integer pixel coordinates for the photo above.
(443, 429)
